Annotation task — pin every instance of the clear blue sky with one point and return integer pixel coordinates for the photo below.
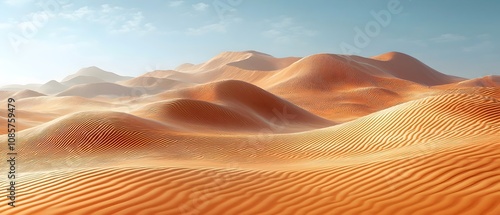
(49, 39)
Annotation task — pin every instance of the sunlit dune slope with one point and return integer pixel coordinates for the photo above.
(461, 180)
(95, 131)
(436, 120)
(405, 67)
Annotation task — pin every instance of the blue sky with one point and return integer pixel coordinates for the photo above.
(49, 39)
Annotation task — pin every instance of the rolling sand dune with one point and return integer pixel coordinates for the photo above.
(248, 60)
(100, 89)
(247, 99)
(408, 68)
(200, 116)
(93, 132)
(52, 87)
(26, 94)
(81, 79)
(17, 87)
(488, 81)
(97, 72)
(248, 133)
(461, 180)
(153, 85)
(62, 105)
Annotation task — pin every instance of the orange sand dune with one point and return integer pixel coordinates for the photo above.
(200, 116)
(28, 119)
(245, 98)
(247, 133)
(406, 67)
(93, 132)
(460, 180)
(247, 60)
(488, 81)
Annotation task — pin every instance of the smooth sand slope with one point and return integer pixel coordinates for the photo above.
(248, 133)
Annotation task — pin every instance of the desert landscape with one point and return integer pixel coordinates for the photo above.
(249, 133)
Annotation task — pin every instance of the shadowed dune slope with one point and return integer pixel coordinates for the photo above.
(200, 116)
(246, 99)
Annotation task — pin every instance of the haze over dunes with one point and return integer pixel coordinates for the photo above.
(248, 133)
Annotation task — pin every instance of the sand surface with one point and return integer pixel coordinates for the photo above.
(248, 133)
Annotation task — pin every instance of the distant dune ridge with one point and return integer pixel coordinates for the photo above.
(249, 133)
(96, 72)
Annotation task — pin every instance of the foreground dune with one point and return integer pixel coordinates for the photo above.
(247, 133)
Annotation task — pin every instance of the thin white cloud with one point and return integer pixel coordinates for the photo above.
(78, 13)
(115, 19)
(200, 6)
(175, 3)
(216, 27)
(445, 38)
(286, 30)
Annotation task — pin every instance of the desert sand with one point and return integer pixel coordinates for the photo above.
(249, 133)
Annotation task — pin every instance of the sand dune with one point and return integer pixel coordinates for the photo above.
(248, 133)
(26, 94)
(406, 67)
(17, 87)
(52, 87)
(96, 72)
(200, 116)
(81, 79)
(100, 89)
(248, 60)
(93, 132)
(153, 85)
(462, 180)
(247, 99)
(488, 81)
